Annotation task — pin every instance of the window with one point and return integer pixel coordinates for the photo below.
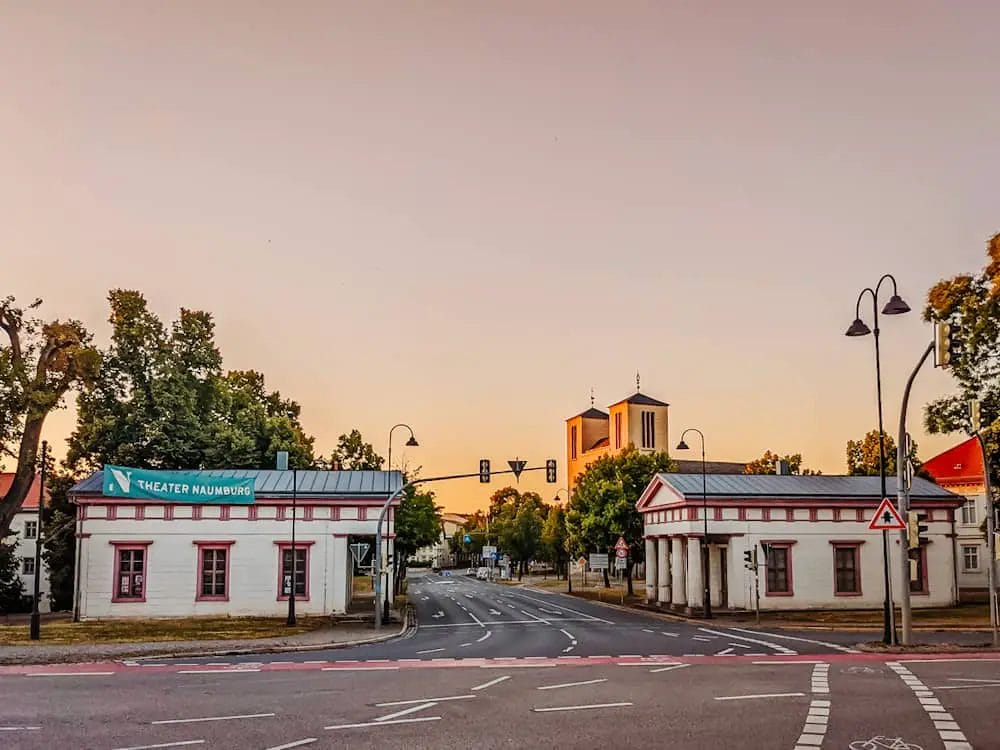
(28, 566)
(301, 570)
(970, 513)
(779, 571)
(213, 571)
(918, 571)
(846, 569)
(648, 433)
(572, 441)
(130, 571)
(970, 557)
(618, 430)
(31, 529)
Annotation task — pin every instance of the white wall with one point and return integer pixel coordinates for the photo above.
(26, 548)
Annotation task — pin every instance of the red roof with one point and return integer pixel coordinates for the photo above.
(962, 464)
(31, 501)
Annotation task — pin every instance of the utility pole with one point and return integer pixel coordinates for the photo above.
(991, 537)
(756, 585)
(36, 617)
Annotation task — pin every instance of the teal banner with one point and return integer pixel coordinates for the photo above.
(176, 486)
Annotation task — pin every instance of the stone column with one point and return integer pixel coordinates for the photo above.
(694, 577)
(680, 575)
(340, 574)
(715, 564)
(650, 570)
(663, 570)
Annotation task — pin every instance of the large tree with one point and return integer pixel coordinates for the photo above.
(354, 454)
(417, 524)
(12, 595)
(602, 507)
(39, 363)
(973, 302)
(863, 457)
(555, 538)
(768, 463)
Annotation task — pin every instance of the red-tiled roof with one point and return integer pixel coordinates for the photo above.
(31, 501)
(962, 464)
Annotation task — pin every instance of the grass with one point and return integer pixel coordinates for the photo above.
(63, 632)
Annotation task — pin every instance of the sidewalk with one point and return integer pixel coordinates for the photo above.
(329, 636)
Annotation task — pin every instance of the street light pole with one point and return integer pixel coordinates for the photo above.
(895, 306)
(706, 560)
(291, 591)
(36, 617)
(412, 443)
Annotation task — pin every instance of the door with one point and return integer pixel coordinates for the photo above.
(723, 577)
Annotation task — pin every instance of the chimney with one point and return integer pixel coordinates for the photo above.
(781, 468)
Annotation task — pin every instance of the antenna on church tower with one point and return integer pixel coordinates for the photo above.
(637, 381)
(591, 397)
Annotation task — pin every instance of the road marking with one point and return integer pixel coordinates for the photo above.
(491, 683)
(357, 669)
(478, 621)
(213, 718)
(297, 743)
(567, 609)
(18, 729)
(567, 634)
(702, 638)
(669, 669)
(430, 651)
(971, 679)
(463, 645)
(950, 732)
(571, 684)
(758, 695)
(834, 646)
(796, 662)
(405, 711)
(424, 700)
(724, 652)
(182, 743)
(549, 611)
(70, 674)
(580, 708)
(569, 648)
(667, 632)
(818, 716)
(945, 661)
(217, 671)
(516, 666)
(646, 630)
(776, 646)
(526, 612)
(740, 645)
(414, 720)
(486, 635)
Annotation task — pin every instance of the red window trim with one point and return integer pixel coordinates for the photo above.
(168, 512)
(140, 513)
(202, 546)
(282, 546)
(111, 512)
(129, 545)
(789, 514)
(765, 514)
(856, 546)
(787, 545)
(742, 512)
(813, 515)
(307, 513)
(836, 515)
(196, 512)
(718, 514)
(224, 514)
(252, 513)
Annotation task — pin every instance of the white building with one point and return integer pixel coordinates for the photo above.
(156, 557)
(439, 553)
(25, 528)
(822, 553)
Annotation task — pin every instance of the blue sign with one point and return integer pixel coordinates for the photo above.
(176, 486)
(468, 538)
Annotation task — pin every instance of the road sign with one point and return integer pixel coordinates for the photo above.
(359, 550)
(467, 538)
(621, 554)
(621, 544)
(886, 518)
(489, 550)
(620, 563)
(517, 466)
(598, 561)
(582, 562)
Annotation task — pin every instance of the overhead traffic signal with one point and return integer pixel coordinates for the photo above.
(550, 471)
(949, 344)
(915, 531)
(484, 471)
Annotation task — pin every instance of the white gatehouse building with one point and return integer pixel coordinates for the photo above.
(822, 554)
(189, 543)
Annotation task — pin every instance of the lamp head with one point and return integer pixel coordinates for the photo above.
(895, 306)
(682, 446)
(858, 328)
(412, 442)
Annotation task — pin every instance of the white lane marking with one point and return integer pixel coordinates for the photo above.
(18, 729)
(567, 634)
(424, 700)
(526, 612)
(740, 645)
(571, 684)
(796, 662)
(478, 621)
(971, 679)
(516, 666)
(646, 630)
(725, 652)
(358, 669)
(815, 726)
(758, 695)
(70, 674)
(944, 661)
(486, 635)
(463, 645)
(183, 743)
(834, 646)
(776, 646)
(567, 609)
(405, 711)
(430, 651)
(580, 708)
(949, 730)
(213, 718)
(290, 745)
(569, 648)
(217, 671)
(667, 632)
(669, 669)
(549, 611)
(507, 622)
(702, 638)
(491, 683)
(414, 720)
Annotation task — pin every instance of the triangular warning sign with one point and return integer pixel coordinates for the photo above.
(517, 466)
(886, 518)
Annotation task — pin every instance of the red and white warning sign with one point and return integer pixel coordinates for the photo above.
(886, 518)
(621, 547)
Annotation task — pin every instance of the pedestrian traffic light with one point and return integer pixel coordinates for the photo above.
(484, 471)
(915, 531)
(949, 344)
(550, 471)
(748, 560)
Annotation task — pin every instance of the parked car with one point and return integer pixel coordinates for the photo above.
(470, 572)
(483, 574)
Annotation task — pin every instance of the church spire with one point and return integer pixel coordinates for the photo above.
(637, 388)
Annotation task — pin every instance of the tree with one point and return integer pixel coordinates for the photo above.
(863, 457)
(418, 524)
(555, 538)
(39, 364)
(973, 302)
(354, 454)
(12, 595)
(520, 532)
(768, 463)
(59, 540)
(602, 507)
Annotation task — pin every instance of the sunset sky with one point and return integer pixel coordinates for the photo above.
(465, 215)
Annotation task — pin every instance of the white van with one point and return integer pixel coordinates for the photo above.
(483, 574)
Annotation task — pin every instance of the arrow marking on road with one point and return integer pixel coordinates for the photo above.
(486, 635)
(438, 614)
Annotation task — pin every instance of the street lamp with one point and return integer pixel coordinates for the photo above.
(411, 443)
(895, 306)
(705, 560)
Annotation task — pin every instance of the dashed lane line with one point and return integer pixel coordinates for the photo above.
(671, 668)
(571, 684)
(431, 651)
(69, 674)
(218, 671)
(581, 708)
(213, 718)
(182, 743)
(389, 704)
(814, 729)
(297, 743)
(414, 720)
(406, 711)
(491, 683)
(19, 729)
(567, 609)
(947, 728)
(756, 696)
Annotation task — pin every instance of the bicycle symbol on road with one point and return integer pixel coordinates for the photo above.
(884, 743)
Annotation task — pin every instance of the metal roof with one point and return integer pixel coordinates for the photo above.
(642, 399)
(271, 483)
(592, 413)
(819, 486)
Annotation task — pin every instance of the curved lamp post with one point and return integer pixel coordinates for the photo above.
(895, 306)
(411, 443)
(705, 559)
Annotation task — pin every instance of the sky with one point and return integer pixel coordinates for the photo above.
(466, 215)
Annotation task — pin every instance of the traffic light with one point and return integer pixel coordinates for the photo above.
(915, 531)
(748, 560)
(550, 471)
(484, 471)
(949, 344)
(975, 415)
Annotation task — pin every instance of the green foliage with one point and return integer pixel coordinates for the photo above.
(602, 507)
(863, 457)
(12, 595)
(555, 539)
(59, 541)
(972, 301)
(768, 463)
(418, 522)
(161, 400)
(354, 454)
